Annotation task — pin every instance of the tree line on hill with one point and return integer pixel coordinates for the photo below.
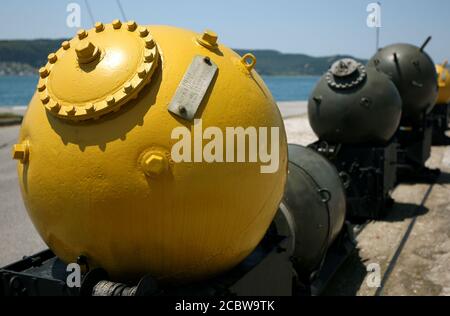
(26, 56)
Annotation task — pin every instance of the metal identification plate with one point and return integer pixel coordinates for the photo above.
(193, 87)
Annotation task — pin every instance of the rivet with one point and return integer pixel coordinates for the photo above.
(366, 102)
(208, 39)
(150, 43)
(117, 24)
(110, 100)
(65, 45)
(131, 26)
(154, 164)
(43, 72)
(90, 108)
(55, 107)
(21, 152)
(45, 98)
(143, 32)
(182, 109)
(41, 87)
(142, 72)
(71, 110)
(99, 27)
(52, 58)
(128, 87)
(87, 52)
(82, 34)
(149, 57)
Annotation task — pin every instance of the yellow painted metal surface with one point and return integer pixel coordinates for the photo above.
(97, 175)
(443, 83)
(98, 71)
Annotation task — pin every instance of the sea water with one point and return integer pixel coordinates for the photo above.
(18, 90)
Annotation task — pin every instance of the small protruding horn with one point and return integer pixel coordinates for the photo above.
(396, 58)
(427, 41)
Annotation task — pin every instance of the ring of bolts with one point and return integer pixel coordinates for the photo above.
(332, 82)
(87, 52)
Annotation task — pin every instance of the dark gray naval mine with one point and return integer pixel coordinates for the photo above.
(414, 74)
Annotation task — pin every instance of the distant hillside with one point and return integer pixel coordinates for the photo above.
(26, 56)
(273, 63)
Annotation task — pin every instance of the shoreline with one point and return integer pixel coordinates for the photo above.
(288, 109)
(13, 109)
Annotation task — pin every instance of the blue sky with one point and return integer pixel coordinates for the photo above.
(314, 27)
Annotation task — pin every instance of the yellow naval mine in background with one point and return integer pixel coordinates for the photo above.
(441, 112)
(95, 164)
(443, 83)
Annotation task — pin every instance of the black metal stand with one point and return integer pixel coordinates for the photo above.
(369, 174)
(39, 275)
(336, 256)
(414, 150)
(441, 121)
(267, 272)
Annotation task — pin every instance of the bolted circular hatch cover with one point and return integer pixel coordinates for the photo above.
(98, 71)
(345, 74)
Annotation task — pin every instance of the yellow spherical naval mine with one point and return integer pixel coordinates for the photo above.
(443, 83)
(151, 150)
